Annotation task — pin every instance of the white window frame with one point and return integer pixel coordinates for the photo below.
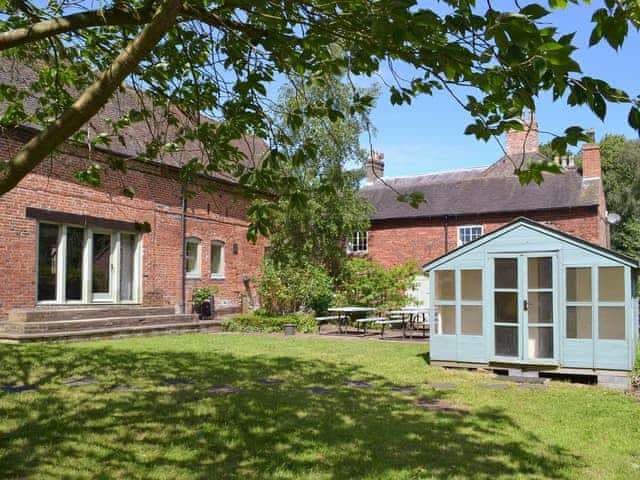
(355, 247)
(87, 296)
(220, 274)
(197, 270)
(461, 228)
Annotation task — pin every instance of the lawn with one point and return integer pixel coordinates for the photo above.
(286, 431)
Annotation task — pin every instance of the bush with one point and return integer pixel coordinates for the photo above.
(287, 289)
(366, 283)
(252, 322)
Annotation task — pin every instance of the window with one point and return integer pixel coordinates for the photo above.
(217, 259)
(579, 303)
(445, 296)
(468, 233)
(471, 302)
(358, 243)
(192, 258)
(611, 304)
(84, 265)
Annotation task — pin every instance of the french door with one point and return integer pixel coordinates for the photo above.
(102, 266)
(525, 310)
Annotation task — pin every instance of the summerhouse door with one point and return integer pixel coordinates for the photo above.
(524, 308)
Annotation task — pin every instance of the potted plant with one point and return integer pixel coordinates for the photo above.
(202, 301)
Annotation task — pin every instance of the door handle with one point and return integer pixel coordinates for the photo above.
(526, 305)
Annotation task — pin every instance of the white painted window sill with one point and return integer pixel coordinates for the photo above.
(217, 277)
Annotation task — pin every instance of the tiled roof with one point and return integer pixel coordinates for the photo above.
(479, 191)
(137, 135)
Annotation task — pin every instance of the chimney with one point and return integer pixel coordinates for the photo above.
(523, 141)
(375, 166)
(591, 164)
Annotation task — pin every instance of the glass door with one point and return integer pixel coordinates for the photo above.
(524, 307)
(127, 267)
(507, 315)
(102, 267)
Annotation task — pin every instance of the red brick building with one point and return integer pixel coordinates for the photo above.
(66, 244)
(464, 204)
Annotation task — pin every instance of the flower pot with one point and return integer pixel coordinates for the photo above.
(289, 329)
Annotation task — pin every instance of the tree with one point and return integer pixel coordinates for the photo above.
(218, 57)
(326, 180)
(621, 175)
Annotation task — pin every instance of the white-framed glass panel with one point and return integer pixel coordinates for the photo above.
(217, 259)
(447, 324)
(192, 258)
(127, 280)
(74, 268)
(468, 233)
(445, 285)
(611, 323)
(358, 242)
(611, 284)
(579, 297)
(102, 253)
(48, 242)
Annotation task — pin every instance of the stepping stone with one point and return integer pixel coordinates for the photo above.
(269, 381)
(404, 389)
(178, 381)
(495, 386)
(357, 384)
(443, 386)
(125, 388)
(521, 379)
(322, 391)
(440, 405)
(18, 388)
(79, 382)
(223, 389)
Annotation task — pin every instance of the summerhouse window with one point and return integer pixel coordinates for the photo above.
(468, 233)
(358, 242)
(445, 297)
(471, 302)
(579, 303)
(611, 304)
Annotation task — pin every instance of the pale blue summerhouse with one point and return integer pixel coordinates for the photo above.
(532, 299)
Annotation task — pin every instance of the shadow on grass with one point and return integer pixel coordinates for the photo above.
(263, 431)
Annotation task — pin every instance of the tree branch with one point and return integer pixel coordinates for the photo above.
(91, 100)
(73, 22)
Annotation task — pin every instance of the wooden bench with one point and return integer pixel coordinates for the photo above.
(391, 321)
(366, 321)
(330, 318)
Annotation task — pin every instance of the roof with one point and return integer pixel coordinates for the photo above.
(480, 191)
(137, 135)
(546, 229)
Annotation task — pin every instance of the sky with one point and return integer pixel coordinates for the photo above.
(427, 136)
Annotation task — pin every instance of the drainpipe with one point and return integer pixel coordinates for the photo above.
(183, 233)
(446, 234)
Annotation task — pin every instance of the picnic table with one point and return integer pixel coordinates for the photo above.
(348, 313)
(408, 316)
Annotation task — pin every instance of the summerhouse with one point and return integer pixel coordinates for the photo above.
(528, 298)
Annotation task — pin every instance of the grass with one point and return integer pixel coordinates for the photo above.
(564, 432)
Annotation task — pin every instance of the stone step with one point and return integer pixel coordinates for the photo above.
(95, 323)
(116, 332)
(81, 313)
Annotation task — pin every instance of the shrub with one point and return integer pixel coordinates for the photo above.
(366, 283)
(201, 295)
(251, 322)
(287, 289)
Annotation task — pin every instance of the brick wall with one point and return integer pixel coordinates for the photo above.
(422, 240)
(218, 215)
